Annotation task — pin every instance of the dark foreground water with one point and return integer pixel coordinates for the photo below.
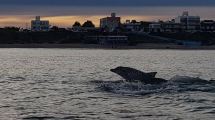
(67, 84)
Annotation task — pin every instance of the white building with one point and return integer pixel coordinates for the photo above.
(189, 23)
(40, 25)
(132, 26)
(155, 27)
(110, 40)
(110, 23)
(208, 26)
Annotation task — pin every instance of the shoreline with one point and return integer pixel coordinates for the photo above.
(96, 46)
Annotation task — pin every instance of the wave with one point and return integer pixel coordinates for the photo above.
(177, 84)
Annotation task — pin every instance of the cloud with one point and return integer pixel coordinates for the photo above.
(94, 11)
(110, 2)
(102, 7)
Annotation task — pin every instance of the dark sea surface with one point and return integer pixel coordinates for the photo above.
(68, 84)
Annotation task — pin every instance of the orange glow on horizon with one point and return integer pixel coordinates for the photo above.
(67, 21)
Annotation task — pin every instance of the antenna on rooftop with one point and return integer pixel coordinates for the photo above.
(38, 18)
(113, 14)
(185, 13)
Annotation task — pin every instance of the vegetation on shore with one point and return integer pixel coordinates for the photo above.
(12, 35)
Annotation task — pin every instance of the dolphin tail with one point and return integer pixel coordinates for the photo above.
(152, 74)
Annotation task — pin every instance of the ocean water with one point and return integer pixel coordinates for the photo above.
(68, 84)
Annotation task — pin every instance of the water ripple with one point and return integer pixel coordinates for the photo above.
(55, 84)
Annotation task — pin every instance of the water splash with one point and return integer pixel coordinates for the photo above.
(177, 84)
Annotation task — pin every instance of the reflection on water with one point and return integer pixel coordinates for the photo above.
(57, 84)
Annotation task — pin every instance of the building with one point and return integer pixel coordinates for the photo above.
(208, 26)
(108, 40)
(132, 26)
(113, 40)
(155, 27)
(145, 26)
(189, 23)
(170, 26)
(110, 24)
(39, 25)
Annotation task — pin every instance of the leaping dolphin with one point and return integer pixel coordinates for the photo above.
(133, 75)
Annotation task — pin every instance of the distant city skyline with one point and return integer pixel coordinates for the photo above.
(64, 13)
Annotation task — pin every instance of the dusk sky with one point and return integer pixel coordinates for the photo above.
(65, 12)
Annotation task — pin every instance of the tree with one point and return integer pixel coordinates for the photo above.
(133, 21)
(12, 29)
(55, 28)
(88, 24)
(77, 24)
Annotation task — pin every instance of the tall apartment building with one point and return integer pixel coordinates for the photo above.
(189, 23)
(39, 25)
(110, 23)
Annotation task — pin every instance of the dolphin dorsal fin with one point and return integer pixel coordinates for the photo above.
(152, 74)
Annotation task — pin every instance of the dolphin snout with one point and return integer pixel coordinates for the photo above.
(112, 70)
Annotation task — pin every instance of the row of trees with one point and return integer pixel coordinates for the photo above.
(77, 25)
(10, 29)
(88, 23)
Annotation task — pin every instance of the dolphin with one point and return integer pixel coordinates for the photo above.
(133, 75)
